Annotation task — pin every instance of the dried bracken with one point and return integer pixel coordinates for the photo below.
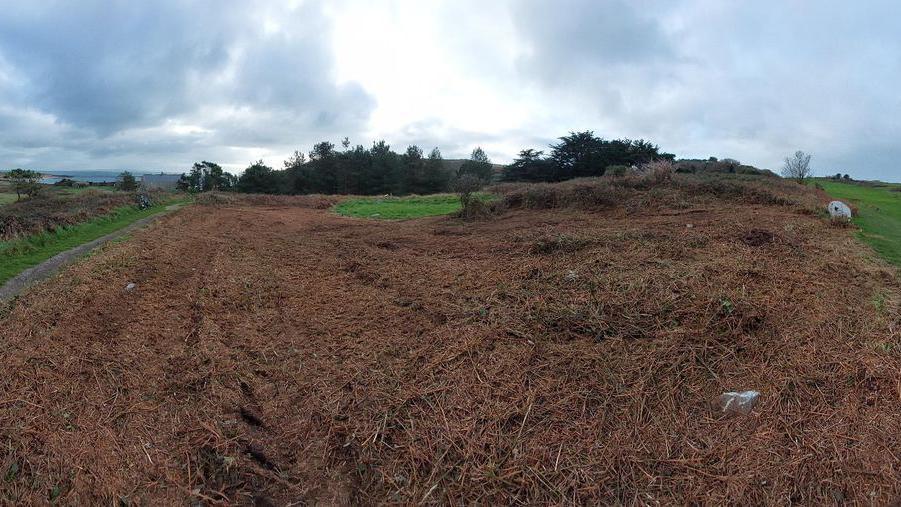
(279, 353)
(48, 212)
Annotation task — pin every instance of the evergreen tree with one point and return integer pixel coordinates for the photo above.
(436, 177)
(323, 164)
(384, 171)
(531, 165)
(413, 176)
(478, 165)
(127, 182)
(258, 178)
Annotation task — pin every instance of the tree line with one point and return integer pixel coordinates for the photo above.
(348, 170)
(328, 169)
(582, 154)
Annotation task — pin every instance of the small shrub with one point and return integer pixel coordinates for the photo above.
(466, 187)
(127, 182)
(143, 200)
(659, 172)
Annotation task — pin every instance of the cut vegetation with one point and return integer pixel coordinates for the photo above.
(565, 349)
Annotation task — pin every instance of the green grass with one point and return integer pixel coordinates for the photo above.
(6, 198)
(878, 214)
(21, 254)
(401, 208)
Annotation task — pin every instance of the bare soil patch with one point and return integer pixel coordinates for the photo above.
(274, 352)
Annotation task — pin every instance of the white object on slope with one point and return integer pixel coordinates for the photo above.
(740, 403)
(839, 209)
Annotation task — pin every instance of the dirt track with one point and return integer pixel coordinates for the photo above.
(276, 354)
(51, 266)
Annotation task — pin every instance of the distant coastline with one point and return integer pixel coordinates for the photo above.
(92, 177)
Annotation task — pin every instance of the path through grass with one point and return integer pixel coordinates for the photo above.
(400, 208)
(879, 214)
(21, 254)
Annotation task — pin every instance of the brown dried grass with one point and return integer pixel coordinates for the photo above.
(313, 201)
(283, 354)
(656, 188)
(54, 209)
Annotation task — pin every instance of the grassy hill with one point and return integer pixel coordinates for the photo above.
(878, 213)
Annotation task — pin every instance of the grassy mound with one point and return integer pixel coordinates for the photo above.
(878, 214)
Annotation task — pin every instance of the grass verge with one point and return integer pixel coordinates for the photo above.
(401, 208)
(878, 214)
(20, 254)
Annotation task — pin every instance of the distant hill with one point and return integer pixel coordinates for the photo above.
(453, 165)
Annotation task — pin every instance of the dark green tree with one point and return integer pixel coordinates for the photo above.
(359, 163)
(195, 179)
(127, 182)
(413, 175)
(184, 183)
(258, 178)
(206, 176)
(323, 168)
(384, 171)
(578, 154)
(297, 178)
(478, 165)
(582, 154)
(531, 165)
(436, 177)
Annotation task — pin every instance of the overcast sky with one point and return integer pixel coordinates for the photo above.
(157, 85)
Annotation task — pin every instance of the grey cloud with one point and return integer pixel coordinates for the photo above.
(103, 79)
(753, 80)
(106, 66)
(97, 84)
(609, 35)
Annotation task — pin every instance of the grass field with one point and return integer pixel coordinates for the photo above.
(21, 254)
(879, 214)
(400, 208)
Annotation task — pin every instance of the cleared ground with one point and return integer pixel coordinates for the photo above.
(275, 353)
